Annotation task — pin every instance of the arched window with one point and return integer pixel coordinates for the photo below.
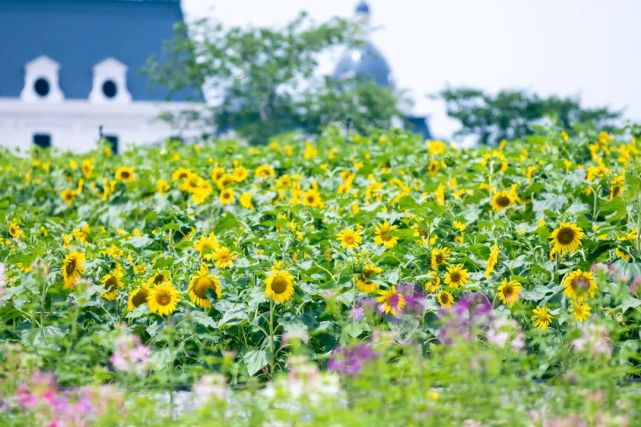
(110, 83)
(41, 81)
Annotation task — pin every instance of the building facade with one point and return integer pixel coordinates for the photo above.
(71, 72)
(366, 61)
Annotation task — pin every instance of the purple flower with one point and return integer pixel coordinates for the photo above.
(415, 298)
(349, 360)
(462, 321)
(363, 305)
(358, 314)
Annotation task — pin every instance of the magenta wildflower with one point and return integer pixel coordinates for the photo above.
(471, 313)
(415, 298)
(349, 360)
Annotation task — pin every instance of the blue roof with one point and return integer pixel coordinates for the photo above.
(367, 62)
(78, 34)
(362, 7)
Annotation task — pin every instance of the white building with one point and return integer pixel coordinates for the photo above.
(71, 70)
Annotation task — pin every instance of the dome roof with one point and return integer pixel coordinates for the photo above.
(362, 7)
(364, 61)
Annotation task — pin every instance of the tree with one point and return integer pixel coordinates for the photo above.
(510, 114)
(265, 78)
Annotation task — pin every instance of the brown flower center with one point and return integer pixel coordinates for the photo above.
(163, 298)
(455, 277)
(201, 286)
(125, 174)
(349, 239)
(503, 201)
(279, 285)
(111, 283)
(580, 285)
(70, 268)
(565, 236)
(159, 278)
(139, 298)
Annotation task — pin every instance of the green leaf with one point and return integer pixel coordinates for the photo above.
(255, 360)
(630, 302)
(202, 319)
(233, 314)
(140, 242)
(42, 337)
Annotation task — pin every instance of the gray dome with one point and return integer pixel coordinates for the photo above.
(364, 61)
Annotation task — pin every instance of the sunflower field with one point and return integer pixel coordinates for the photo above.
(344, 279)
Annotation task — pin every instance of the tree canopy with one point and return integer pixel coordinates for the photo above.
(510, 114)
(265, 81)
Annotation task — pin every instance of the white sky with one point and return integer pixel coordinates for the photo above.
(590, 48)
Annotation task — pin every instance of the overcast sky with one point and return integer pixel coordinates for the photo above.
(590, 48)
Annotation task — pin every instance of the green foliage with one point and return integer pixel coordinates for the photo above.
(283, 207)
(512, 114)
(265, 78)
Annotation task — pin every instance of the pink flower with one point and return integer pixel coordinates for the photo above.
(130, 355)
(594, 340)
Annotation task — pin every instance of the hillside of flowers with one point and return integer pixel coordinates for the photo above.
(343, 279)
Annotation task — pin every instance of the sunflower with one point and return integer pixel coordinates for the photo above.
(579, 285)
(456, 276)
(87, 167)
(279, 286)
(157, 279)
(207, 245)
(435, 147)
(433, 283)
(240, 174)
(383, 237)
(224, 257)
(227, 196)
(502, 200)
(580, 312)
(492, 260)
(364, 281)
(246, 201)
(200, 284)
(14, 230)
(163, 299)
(137, 297)
(224, 181)
(72, 268)
(542, 317)
(566, 238)
(162, 186)
(616, 186)
(392, 301)
(264, 172)
(111, 282)
(312, 198)
(125, 174)
(68, 196)
(434, 166)
(509, 292)
(445, 299)
(439, 257)
(349, 238)
(180, 174)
